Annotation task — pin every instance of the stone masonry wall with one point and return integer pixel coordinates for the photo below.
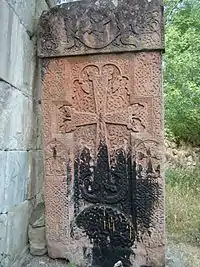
(20, 153)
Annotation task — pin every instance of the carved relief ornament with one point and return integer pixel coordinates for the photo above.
(100, 26)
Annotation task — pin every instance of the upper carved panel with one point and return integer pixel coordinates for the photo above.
(102, 97)
(89, 27)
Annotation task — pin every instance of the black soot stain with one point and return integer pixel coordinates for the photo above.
(118, 201)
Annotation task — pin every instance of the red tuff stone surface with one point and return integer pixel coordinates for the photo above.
(98, 112)
(103, 134)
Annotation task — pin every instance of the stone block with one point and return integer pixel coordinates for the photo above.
(41, 6)
(37, 216)
(3, 229)
(59, 2)
(39, 198)
(37, 241)
(3, 159)
(20, 259)
(51, 3)
(16, 50)
(38, 126)
(109, 28)
(17, 232)
(15, 119)
(14, 178)
(103, 132)
(37, 173)
(16, 239)
(25, 10)
(80, 154)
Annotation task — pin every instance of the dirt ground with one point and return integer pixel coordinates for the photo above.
(177, 255)
(43, 261)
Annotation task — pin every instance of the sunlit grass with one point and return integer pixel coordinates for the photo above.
(183, 205)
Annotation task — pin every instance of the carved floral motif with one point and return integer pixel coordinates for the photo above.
(102, 86)
(90, 27)
(104, 190)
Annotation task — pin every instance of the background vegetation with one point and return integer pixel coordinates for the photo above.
(182, 70)
(182, 115)
(183, 205)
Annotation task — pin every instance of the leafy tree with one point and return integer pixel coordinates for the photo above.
(182, 70)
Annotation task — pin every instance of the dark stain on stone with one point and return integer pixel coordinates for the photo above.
(122, 197)
(69, 175)
(147, 193)
(105, 182)
(76, 187)
(111, 233)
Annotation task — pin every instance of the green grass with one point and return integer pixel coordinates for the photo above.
(183, 205)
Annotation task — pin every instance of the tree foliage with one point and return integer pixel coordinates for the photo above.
(182, 70)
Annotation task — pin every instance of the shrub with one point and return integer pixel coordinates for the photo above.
(181, 70)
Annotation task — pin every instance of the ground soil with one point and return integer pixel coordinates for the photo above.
(43, 261)
(177, 255)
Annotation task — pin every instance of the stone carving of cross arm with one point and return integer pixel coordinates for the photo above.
(70, 119)
(133, 117)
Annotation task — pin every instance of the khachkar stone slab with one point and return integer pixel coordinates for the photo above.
(103, 142)
(86, 27)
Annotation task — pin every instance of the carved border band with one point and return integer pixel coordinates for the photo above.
(90, 27)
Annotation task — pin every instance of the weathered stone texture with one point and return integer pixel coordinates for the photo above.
(37, 173)
(14, 177)
(15, 119)
(65, 1)
(51, 3)
(18, 124)
(99, 113)
(36, 233)
(37, 241)
(3, 231)
(3, 156)
(17, 50)
(29, 11)
(103, 132)
(37, 219)
(41, 6)
(25, 11)
(15, 180)
(18, 219)
(86, 27)
(14, 233)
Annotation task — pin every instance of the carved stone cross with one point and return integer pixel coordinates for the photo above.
(103, 131)
(100, 83)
